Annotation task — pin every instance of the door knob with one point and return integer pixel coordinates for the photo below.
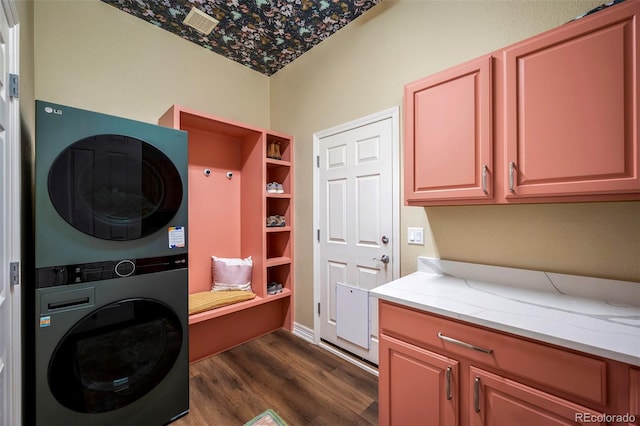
(384, 259)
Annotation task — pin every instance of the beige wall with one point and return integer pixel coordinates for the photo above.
(91, 55)
(362, 70)
(27, 96)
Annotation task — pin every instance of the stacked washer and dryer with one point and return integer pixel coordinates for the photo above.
(111, 318)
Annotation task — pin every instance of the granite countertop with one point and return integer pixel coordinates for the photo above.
(591, 315)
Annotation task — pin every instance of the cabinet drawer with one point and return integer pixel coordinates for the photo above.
(579, 375)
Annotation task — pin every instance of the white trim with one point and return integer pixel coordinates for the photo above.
(392, 113)
(303, 332)
(11, 12)
(12, 225)
(307, 334)
(351, 359)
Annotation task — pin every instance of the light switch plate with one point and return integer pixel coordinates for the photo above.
(415, 236)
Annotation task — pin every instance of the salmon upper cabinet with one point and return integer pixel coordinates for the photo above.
(565, 108)
(572, 108)
(448, 137)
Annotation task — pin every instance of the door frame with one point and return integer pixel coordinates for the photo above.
(392, 113)
(10, 218)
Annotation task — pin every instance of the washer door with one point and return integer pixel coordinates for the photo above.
(115, 355)
(115, 187)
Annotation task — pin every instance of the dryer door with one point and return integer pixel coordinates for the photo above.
(115, 187)
(115, 355)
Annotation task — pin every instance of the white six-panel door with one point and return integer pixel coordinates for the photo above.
(356, 200)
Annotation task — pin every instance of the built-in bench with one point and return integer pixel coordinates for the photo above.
(229, 170)
(220, 320)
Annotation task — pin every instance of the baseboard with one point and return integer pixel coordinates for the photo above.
(303, 332)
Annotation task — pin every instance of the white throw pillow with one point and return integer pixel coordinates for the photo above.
(231, 273)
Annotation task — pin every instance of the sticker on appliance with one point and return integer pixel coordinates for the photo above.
(176, 236)
(45, 321)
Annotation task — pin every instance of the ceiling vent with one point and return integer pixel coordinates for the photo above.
(200, 21)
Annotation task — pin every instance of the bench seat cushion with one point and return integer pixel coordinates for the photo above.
(206, 300)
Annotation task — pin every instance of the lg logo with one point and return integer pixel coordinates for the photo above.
(50, 110)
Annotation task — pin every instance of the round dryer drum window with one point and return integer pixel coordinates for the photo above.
(115, 355)
(115, 187)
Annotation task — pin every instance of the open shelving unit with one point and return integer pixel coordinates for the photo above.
(228, 207)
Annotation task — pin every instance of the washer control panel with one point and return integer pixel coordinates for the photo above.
(96, 271)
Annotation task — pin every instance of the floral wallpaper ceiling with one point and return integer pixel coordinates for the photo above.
(264, 35)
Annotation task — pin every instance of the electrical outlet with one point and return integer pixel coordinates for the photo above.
(415, 236)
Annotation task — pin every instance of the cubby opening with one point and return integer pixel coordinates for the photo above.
(280, 274)
(279, 206)
(283, 143)
(280, 174)
(278, 245)
(224, 168)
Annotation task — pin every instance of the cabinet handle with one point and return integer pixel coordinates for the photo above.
(512, 171)
(476, 394)
(485, 169)
(448, 383)
(464, 344)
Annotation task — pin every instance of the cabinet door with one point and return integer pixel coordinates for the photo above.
(634, 396)
(572, 108)
(498, 401)
(448, 135)
(416, 387)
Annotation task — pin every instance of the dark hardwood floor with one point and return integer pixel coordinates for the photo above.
(303, 383)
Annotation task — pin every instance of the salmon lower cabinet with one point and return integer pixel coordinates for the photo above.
(438, 371)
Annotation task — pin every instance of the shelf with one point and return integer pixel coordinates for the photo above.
(274, 195)
(284, 293)
(275, 261)
(273, 162)
(236, 307)
(270, 229)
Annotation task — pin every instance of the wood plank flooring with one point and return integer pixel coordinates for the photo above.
(303, 383)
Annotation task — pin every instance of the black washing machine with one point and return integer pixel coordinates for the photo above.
(113, 352)
(109, 342)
